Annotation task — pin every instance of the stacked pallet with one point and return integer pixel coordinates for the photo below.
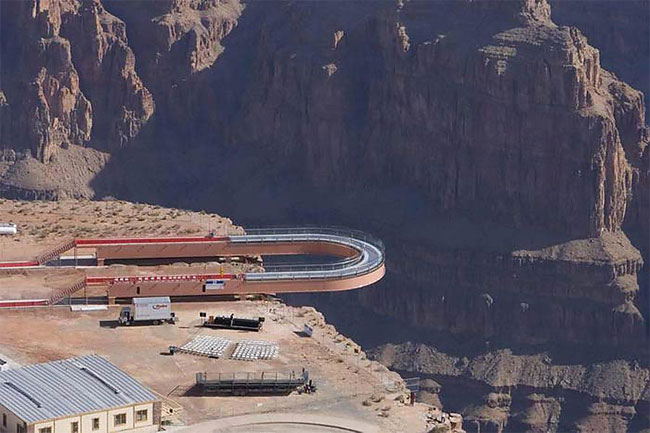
(252, 350)
(205, 345)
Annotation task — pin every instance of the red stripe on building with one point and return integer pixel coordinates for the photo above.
(157, 279)
(93, 242)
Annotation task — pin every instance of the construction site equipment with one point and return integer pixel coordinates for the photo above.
(204, 345)
(232, 322)
(253, 383)
(148, 310)
(252, 350)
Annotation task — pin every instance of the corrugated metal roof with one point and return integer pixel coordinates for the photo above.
(68, 387)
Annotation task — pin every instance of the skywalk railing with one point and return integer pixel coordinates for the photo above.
(370, 257)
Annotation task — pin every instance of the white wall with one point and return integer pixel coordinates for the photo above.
(12, 420)
(106, 421)
(41, 425)
(149, 421)
(87, 423)
(129, 419)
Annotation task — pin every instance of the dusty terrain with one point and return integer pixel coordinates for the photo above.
(45, 224)
(345, 378)
(495, 147)
(350, 386)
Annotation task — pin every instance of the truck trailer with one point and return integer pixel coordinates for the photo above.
(153, 311)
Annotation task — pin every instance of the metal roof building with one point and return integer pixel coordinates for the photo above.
(87, 394)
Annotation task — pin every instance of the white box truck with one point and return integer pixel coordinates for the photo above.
(148, 311)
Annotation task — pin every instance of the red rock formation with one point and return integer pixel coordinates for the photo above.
(175, 40)
(487, 107)
(46, 45)
(122, 104)
(45, 107)
(515, 121)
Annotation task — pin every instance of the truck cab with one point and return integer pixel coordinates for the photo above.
(125, 316)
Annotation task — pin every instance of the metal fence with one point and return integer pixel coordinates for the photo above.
(371, 252)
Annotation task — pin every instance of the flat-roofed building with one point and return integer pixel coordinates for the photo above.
(87, 394)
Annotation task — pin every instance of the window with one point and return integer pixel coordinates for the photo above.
(141, 415)
(45, 430)
(95, 424)
(119, 419)
(4, 420)
(20, 428)
(74, 427)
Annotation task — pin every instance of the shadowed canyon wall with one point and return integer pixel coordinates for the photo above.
(495, 146)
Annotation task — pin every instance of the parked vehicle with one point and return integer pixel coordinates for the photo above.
(153, 311)
(8, 229)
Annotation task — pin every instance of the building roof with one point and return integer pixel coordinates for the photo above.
(69, 387)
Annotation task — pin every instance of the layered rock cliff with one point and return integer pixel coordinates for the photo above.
(502, 164)
(479, 120)
(69, 78)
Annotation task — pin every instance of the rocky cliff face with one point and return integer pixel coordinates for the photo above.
(59, 59)
(502, 164)
(572, 292)
(507, 95)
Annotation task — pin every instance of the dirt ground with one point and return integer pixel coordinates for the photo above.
(44, 224)
(348, 384)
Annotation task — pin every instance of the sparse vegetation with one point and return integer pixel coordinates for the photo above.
(44, 223)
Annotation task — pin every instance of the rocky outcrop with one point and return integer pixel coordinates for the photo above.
(514, 392)
(510, 121)
(580, 291)
(175, 40)
(619, 29)
(45, 108)
(122, 104)
(58, 56)
(516, 121)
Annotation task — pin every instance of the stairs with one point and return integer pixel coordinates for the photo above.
(64, 292)
(55, 252)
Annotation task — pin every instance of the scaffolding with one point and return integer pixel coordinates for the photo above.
(252, 383)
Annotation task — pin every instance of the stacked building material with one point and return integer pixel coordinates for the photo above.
(252, 350)
(205, 345)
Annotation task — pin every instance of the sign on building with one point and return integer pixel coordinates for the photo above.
(215, 284)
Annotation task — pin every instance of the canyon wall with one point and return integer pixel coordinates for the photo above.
(505, 167)
(59, 60)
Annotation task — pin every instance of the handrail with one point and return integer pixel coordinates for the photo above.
(332, 230)
(370, 258)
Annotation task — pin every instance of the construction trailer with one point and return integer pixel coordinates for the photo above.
(153, 311)
(77, 395)
(263, 383)
(232, 322)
